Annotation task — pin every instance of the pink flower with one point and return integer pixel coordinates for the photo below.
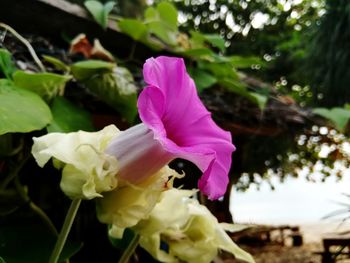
(175, 125)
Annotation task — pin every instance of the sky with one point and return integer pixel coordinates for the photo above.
(296, 201)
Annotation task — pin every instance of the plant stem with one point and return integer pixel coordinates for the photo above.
(27, 44)
(44, 217)
(68, 222)
(14, 173)
(36, 209)
(130, 249)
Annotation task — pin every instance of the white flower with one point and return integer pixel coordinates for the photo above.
(87, 170)
(190, 231)
(126, 205)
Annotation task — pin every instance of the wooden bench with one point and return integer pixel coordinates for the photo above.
(334, 248)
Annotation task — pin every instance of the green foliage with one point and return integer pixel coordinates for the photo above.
(199, 39)
(7, 67)
(47, 85)
(280, 42)
(106, 87)
(240, 62)
(202, 78)
(162, 21)
(58, 64)
(338, 116)
(259, 99)
(114, 85)
(100, 11)
(225, 75)
(329, 55)
(200, 48)
(67, 117)
(21, 110)
(84, 70)
(216, 41)
(198, 53)
(134, 28)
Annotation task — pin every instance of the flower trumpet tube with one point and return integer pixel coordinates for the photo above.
(175, 124)
(139, 155)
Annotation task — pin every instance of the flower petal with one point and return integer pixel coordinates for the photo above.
(87, 169)
(190, 225)
(126, 205)
(171, 107)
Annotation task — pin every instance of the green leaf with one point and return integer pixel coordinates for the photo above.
(202, 79)
(7, 66)
(117, 89)
(216, 41)
(197, 52)
(162, 21)
(96, 10)
(338, 116)
(245, 62)
(134, 28)
(221, 70)
(151, 14)
(259, 99)
(21, 110)
(234, 86)
(168, 14)
(2, 260)
(28, 241)
(47, 85)
(67, 117)
(198, 40)
(89, 68)
(161, 31)
(58, 64)
(99, 11)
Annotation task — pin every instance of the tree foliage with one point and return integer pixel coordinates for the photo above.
(274, 30)
(329, 55)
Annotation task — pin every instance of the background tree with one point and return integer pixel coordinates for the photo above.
(275, 30)
(329, 55)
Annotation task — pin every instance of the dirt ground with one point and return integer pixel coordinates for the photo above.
(280, 254)
(276, 253)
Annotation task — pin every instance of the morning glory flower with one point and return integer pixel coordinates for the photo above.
(175, 124)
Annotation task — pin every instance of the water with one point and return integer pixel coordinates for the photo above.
(296, 201)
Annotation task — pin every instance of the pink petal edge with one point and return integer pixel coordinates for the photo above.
(171, 108)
